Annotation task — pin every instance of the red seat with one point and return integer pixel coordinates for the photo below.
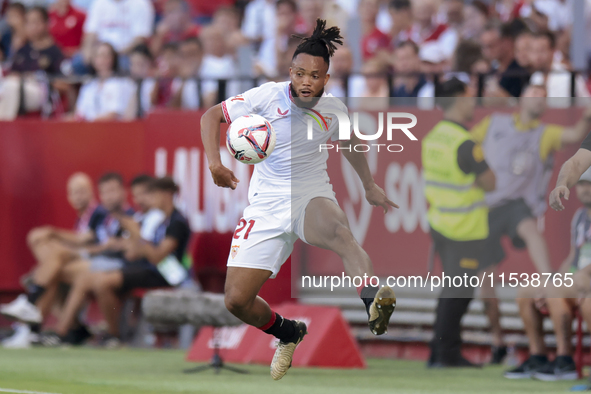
(140, 293)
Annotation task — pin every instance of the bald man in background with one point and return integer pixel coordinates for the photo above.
(54, 249)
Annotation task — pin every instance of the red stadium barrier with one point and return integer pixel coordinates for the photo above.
(329, 342)
(36, 158)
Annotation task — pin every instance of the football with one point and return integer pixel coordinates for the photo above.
(250, 139)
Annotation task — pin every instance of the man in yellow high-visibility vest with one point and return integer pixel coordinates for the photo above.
(456, 178)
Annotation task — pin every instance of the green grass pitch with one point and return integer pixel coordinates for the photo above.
(131, 371)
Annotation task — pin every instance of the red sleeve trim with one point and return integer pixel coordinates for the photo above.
(226, 114)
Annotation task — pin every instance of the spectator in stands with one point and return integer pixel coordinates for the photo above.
(376, 82)
(336, 14)
(505, 10)
(551, 74)
(371, 90)
(175, 25)
(426, 30)
(65, 25)
(401, 15)
(259, 20)
(276, 50)
(490, 39)
(16, 37)
(106, 96)
(562, 53)
(186, 90)
(499, 49)
(141, 82)
(553, 15)
(409, 82)
(433, 60)
(341, 65)
(560, 302)
(121, 23)
(475, 19)
(373, 41)
(523, 43)
(217, 64)
(51, 249)
(468, 59)
(454, 13)
(467, 55)
(167, 71)
(310, 11)
(150, 264)
(228, 19)
(204, 10)
(39, 54)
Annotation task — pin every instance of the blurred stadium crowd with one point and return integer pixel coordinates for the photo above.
(120, 59)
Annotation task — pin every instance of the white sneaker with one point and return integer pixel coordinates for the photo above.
(284, 352)
(21, 339)
(21, 309)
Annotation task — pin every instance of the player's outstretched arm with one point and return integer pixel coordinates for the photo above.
(210, 135)
(569, 174)
(573, 135)
(374, 194)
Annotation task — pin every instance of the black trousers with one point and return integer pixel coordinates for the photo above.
(458, 258)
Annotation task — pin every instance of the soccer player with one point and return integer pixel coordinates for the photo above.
(276, 217)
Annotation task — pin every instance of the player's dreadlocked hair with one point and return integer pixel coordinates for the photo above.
(321, 43)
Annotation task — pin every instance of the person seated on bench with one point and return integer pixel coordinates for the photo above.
(148, 265)
(559, 302)
(62, 255)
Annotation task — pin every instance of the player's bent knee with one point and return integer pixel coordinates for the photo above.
(35, 236)
(237, 304)
(343, 235)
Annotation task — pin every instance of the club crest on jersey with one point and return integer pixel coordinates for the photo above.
(234, 250)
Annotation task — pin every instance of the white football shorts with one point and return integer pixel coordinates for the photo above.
(266, 233)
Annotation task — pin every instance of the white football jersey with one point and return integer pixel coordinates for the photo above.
(297, 163)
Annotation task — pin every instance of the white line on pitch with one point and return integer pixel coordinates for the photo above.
(21, 391)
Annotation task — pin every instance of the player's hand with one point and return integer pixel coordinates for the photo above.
(223, 176)
(556, 195)
(376, 196)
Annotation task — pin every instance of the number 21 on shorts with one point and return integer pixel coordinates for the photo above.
(241, 225)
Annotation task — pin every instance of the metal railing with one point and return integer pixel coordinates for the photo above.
(247, 82)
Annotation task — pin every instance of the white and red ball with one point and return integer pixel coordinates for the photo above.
(250, 139)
